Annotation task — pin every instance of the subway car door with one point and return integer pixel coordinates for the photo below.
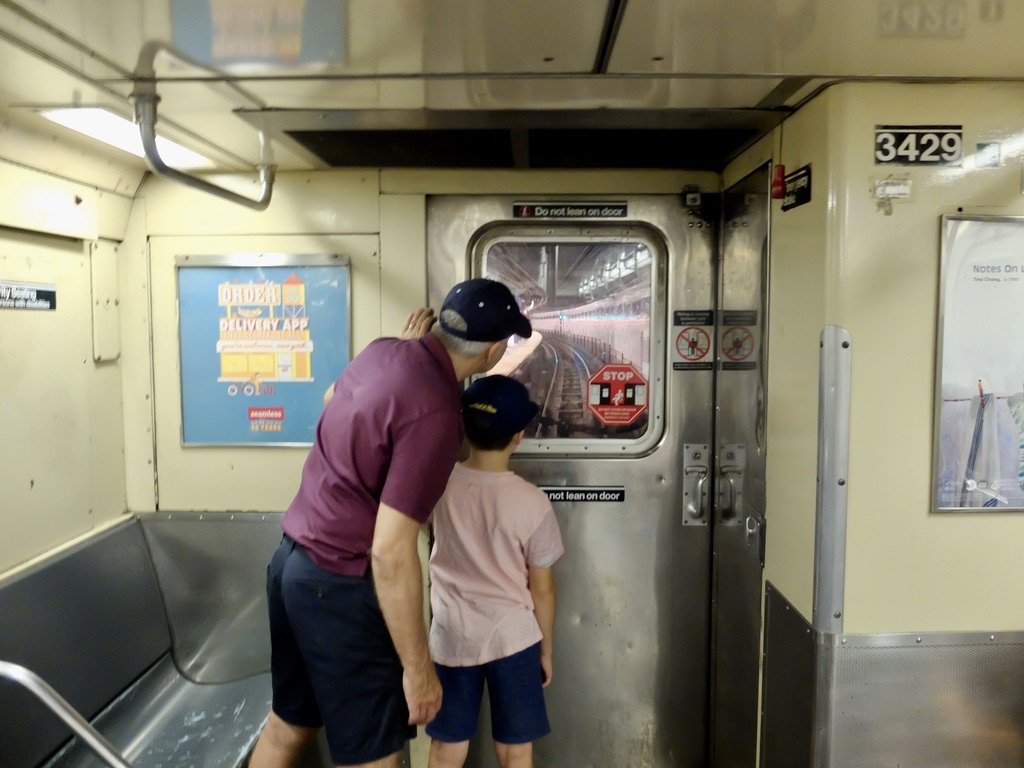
(738, 518)
(621, 293)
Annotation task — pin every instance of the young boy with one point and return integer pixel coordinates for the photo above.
(492, 591)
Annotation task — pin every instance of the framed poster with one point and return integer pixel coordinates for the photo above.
(979, 431)
(261, 336)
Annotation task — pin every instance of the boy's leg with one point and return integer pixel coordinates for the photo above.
(514, 755)
(446, 754)
(518, 714)
(455, 723)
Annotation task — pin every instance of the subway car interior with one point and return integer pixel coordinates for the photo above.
(742, 231)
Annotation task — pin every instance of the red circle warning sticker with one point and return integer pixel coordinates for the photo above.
(618, 394)
(737, 343)
(693, 343)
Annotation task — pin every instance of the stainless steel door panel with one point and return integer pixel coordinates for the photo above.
(739, 526)
(631, 637)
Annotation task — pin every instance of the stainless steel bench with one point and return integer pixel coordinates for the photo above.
(155, 631)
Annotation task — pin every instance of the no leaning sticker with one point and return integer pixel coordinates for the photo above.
(692, 332)
(586, 493)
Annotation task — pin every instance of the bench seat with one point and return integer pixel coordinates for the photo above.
(155, 631)
(167, 721)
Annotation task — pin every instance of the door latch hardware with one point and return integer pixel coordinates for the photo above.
(695, 481)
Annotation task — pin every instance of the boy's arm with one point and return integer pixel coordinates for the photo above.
(542, 588)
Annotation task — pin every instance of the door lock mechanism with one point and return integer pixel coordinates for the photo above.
(695, 481)
(732, 466)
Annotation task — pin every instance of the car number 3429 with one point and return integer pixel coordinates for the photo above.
(918, 144)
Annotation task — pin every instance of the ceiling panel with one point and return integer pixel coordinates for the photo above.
(681, 69)
(253, 37)
(836, 38)
(519, 36)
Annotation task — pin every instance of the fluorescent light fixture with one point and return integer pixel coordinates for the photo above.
(110, 128)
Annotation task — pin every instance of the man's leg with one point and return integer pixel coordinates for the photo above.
(280, 745)
(514, 755)
(447, 754)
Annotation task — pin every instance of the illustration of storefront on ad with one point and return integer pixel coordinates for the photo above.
(261, 337)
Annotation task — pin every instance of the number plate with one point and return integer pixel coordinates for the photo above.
(922, 18)
(919, 144)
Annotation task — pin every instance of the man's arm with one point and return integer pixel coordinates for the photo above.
(542, 589)
(399, 585)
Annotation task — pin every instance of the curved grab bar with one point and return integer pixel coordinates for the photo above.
(145, 98)
(60, 707)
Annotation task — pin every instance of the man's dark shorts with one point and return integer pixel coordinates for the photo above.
(332, 659)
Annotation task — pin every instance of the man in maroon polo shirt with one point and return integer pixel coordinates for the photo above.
(348, 642)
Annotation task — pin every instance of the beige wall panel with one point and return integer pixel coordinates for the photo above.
(64, 154)
(907, 569)
(44, 198)
(137, 364)
(456, 182)
(233, 478)
(797, 311)
(112, 213)
(106, 302)
(749, 160)
(327, 201)
(62, 450)
(403, 259)
(872, 267)
(38, 202)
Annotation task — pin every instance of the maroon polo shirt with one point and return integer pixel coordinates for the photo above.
(391, 433)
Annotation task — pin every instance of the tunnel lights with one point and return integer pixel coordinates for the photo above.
(110, 128)
(617, 268)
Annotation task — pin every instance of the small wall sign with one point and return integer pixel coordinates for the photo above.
(798, 188)
(37, 296)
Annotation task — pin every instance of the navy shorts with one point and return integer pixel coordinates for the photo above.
(332, 661)
(515, 691)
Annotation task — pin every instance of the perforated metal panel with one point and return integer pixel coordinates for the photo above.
(787, 721)
(933, 699)
(930, 699)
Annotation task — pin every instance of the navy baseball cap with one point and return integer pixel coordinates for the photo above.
(489, 309)
(499, 406)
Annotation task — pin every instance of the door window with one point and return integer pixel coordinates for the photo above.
(588, 364)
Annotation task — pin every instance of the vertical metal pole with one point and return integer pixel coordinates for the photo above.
(833, 469)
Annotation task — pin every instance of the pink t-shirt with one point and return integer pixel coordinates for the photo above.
(489, 529)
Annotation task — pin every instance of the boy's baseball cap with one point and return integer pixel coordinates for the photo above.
(489, 309)
(498, 405)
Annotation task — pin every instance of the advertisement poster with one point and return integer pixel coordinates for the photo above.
(979, 462)
(261, 338)
(247, 35)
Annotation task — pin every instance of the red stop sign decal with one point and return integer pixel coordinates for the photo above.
(617, 394)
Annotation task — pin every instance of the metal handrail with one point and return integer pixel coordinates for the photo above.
(60, 707)
(145, 98)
